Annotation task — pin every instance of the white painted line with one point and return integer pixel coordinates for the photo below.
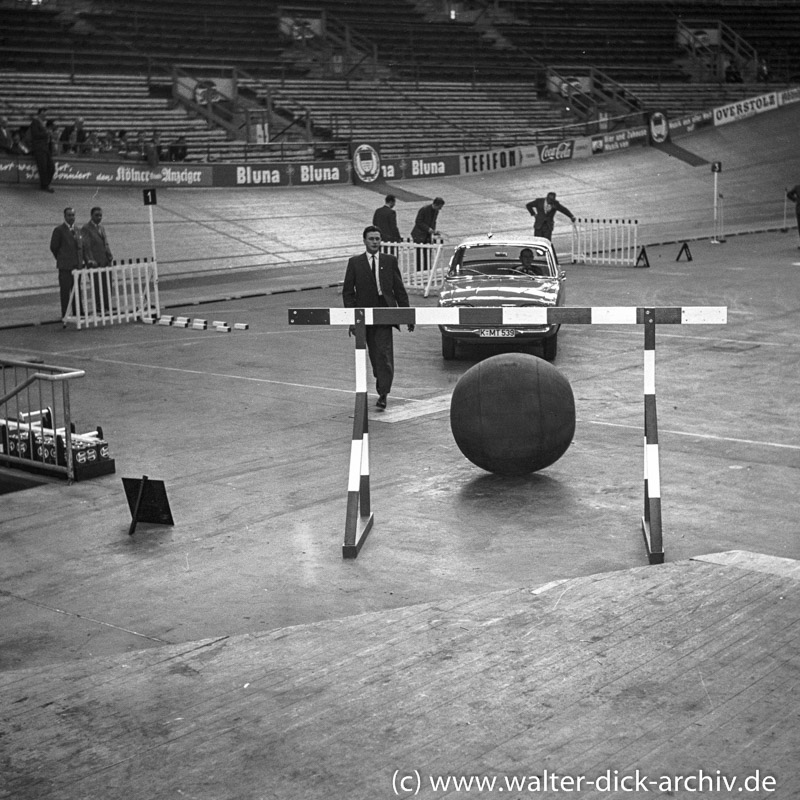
(414, 409)
(708, 436)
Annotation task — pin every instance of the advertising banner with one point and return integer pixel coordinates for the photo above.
(742, 109)
(658, 127)
(103, 173)
(8, 171)
(428, 167)
(561, 151)
(620, 140)
(490, 161)
(787, 96)
(366, 158)
(690, 122)
(312, 173)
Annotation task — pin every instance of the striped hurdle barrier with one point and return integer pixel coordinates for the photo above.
(604, 241)
(122, 292)
(360, 518)
(421, 265)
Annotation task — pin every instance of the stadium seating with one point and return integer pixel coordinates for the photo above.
(441, 85)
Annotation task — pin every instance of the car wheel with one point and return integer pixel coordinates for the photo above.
(550, 348)
(448, 348)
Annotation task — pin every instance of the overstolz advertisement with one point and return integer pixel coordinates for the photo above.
(742, 109)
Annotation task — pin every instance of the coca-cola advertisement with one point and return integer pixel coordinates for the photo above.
(560, 151)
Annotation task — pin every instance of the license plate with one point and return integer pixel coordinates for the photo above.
(497, 332)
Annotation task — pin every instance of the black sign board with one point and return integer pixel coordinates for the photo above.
(147, 501)
(149, 197)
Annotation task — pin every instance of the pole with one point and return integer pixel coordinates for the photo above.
(785, 227)
(152, 233)
(714, 239)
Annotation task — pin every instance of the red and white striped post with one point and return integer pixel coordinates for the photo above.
(651, 520)
(358, 522)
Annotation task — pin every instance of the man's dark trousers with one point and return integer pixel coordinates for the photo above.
(380, 345)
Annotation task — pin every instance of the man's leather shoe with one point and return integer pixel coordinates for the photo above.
(381, 402)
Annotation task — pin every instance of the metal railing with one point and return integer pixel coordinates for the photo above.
(36, 429)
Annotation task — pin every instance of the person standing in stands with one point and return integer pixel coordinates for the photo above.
(66, 245)
(543, 209)
(6, 139)
(385, 219)
(41, 149)
(794, 195)
(373, 280)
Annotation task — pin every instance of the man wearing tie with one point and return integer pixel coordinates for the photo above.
(97, 254)
(66, 244)
(373, 279)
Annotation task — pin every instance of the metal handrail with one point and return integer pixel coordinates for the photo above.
(55, 376)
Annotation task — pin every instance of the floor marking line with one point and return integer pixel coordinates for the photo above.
(81, 616)
(433, 401)
(220, 375)
(712, 436)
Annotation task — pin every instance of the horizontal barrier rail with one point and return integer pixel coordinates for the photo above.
(592, 315)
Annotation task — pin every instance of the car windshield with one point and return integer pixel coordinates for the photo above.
(500, 259)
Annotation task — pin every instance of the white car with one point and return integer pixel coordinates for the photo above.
(496, 272)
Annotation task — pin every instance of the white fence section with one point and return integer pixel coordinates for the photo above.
(423, 266)
(605, 241)
(119, 293)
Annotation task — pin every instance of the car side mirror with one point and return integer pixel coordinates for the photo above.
(562, 276)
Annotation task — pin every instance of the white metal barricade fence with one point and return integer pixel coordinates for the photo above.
(119, 293)
(605, 241)
(421, 265)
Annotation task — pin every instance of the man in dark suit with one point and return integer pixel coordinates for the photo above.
(97, 253)
(385, 219)
(425, 224)
(544, 210)
(794, 195)
(66, 244)
(41, 149)
(6, 139)
(373, 279)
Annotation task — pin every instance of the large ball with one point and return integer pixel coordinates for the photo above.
(513, 414)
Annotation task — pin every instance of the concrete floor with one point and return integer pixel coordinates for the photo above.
(251, 430)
